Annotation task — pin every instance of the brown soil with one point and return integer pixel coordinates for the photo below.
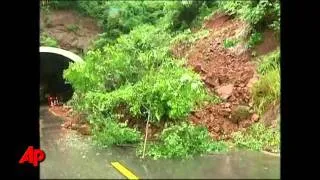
(153, 130)
(58, 24)
(218, 21)
(77, 122)
(74, 122)
(272, 116)
(228, 74)
(270, 43)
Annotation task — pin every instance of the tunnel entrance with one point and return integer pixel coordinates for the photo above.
(52, 83)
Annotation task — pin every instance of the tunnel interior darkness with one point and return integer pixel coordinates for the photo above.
(51, 77)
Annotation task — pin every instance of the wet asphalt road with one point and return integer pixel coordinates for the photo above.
(70, 156)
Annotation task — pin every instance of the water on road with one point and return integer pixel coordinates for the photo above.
(70, 155)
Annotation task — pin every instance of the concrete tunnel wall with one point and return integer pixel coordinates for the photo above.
(53, 61)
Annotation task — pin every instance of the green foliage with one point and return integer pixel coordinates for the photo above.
(138, 75)
(259, 137)
(254, 39)
(133, 75)
(181, 15)
(260, 14)
(45, 9)
(269, 62)
(46, 40)
(228, 43)
(206, 11)
(275, 12)
(125, 62)
(266, 91)
(120, 17)
(73, 27)
(256, 12)
(182, 141)
(171, 92)
(108, 132)
(60, 4)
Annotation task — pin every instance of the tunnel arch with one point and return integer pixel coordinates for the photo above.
(62, 52)
(53, 62)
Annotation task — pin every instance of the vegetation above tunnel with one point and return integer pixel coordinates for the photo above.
(131, 76)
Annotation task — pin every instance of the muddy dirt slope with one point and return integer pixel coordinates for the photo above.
(229, 73)
(72, 31)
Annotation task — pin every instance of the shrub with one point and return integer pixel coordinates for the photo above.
(260, 14)
(254, 39)
(60, 4)
(259, 137)
(181, 15)
(256, 12)
(46, 40)
(170, 93)
(125, 62)
(108, 132)
(72, 27)
(120, 17)
(267, 90)
(182, 141)
(269, 62)
(137, 75)
(228, 43)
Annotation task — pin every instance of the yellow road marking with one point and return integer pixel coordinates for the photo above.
(124, 171)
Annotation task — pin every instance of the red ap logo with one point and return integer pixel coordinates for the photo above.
(32, 156)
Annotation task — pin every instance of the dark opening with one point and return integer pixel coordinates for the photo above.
(51, 77)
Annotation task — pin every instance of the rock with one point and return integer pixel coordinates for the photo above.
(245, 124)
(255, 117)
(227, 105)
(84, 129)
(67, 125)
(198, 68)
(210, 83)
(271, 116)
(197, 115)
(225, 91)
(240, 113)
(253, 80)
(216, 129)
(210, 109)
(74, 126)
